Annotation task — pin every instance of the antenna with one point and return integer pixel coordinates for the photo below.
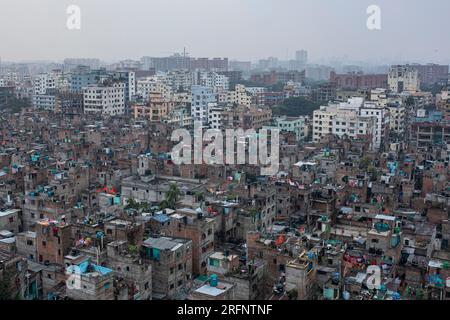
(185, 53)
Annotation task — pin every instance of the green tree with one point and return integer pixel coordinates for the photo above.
(364, 163)
(294, 107)
(199, 196)
(171, 197)
(132, 204)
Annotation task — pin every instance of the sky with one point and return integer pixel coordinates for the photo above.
(411, 30)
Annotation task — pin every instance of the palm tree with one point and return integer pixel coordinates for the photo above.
(171, 198)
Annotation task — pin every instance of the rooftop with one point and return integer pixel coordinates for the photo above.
(165, 243)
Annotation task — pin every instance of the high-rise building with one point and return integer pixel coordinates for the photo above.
(403, 78)
(201, 97)
(301, 56)
(105, 98)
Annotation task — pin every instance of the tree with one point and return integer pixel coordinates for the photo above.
(294, 107)
(199, 196)
(132, 204)
(364, 163)
(171, 197)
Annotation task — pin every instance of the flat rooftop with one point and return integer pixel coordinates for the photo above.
(165, 243)
(221, 288)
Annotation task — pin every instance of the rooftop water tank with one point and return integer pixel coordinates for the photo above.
(213, 280)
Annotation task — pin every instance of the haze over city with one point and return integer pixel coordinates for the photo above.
(412, 30)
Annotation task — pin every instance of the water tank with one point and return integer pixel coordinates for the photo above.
(335, 278)
(213, 280)
(346, 295)
(396, 296)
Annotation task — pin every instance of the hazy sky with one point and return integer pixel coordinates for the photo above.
(414, 30)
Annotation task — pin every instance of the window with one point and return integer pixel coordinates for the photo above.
(29, 242)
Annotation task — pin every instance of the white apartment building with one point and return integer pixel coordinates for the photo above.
(217, 82)
(43, 82)
(290, 124)
(201, 98)
(354, 126)
(180, 117)
(397, 113)
(107, 99)
(379, 96)
(215, 116)
(403, 78)
(151, 85)
(382, 120)
(353, 119)
(239, 96)
(339, 121)
(323, 122)
(53, 80)
(255, 90)
(180, 80)
(182, 98)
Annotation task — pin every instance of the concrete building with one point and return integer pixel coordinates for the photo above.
(300, 276)
(171, 260)
(54, 240)
(215, 289)
(194, 225)
(359, 81)
(215, 116)
(443, 102)
(26, 245)
(239, 96)
(431, 73)
(290, 124)
(13, 268)
(88, 281)
(345, 119)
(246, 117)
(201, 98)
(10, 220)
(152, 85)
(382, 121)
(403, 78)
(397, 118)
(127, 265)
(213, 80)
(107, 99)
(157, 108)
(179, 116)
